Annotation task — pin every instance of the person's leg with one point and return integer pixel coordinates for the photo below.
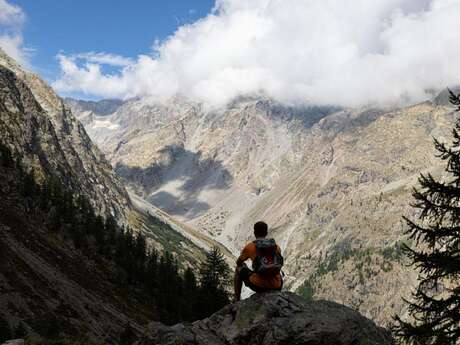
(237, 283)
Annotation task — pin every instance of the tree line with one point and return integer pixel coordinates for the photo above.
(179, 293)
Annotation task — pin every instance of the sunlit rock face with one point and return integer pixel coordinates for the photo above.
(38, 126)
(332, 183)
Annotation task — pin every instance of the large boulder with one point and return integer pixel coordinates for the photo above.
(273, 319)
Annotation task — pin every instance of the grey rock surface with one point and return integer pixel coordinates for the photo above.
(274, 319)
(14, 342)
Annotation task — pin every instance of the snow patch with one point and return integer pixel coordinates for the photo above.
(105, 124)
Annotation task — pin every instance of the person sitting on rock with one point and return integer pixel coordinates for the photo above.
(266, 264)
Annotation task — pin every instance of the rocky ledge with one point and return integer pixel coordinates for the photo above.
(273, 319)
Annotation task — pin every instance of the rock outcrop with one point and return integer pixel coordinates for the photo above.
(274, 319)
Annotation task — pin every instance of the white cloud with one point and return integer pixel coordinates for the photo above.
(320, 51)
(11, 15)
(104, 58)
(11, 20)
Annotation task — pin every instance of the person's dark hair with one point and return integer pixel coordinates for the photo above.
(260, 229)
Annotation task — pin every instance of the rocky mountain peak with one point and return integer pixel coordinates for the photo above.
(102, 107)
(274, 319)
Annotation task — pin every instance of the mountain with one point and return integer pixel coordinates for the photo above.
(333, 183)
(42, 131)
(274, 319)
(64, 215)
(102, 107)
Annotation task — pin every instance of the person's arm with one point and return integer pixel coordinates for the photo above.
(242, 258)
(278, 249)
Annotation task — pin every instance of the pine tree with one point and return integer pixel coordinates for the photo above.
(190, 296)
(5, 331)
(6, 158)
(151, 280)
(20, 331)
(190, 284)
(214, 271)
(127, 337)
(214, 282)
(435, 305)
(140, 250)
(29, 186)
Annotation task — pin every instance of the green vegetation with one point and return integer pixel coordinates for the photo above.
(176, 294)
(435, 305)
(37, 340)
(395, 253)
(362, 259)
(5, 331)
(307, 289)
(215, 280)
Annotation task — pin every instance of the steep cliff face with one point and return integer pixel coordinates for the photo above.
(332, 183)
(274, 319)
(39, 128)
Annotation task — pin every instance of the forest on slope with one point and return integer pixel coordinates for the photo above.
(78, 260)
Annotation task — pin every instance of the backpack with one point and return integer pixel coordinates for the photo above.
(268, 261)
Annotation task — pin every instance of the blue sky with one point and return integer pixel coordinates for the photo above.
(123, 27)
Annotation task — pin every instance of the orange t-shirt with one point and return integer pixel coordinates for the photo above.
(250, 252)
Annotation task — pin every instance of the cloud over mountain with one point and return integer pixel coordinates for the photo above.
(11, 20)
(321, 51)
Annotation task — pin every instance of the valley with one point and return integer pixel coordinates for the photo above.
(65, 221)
(333, 183)
(229, 172)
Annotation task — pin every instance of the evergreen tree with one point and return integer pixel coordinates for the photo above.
(5, 331)
(20, 331)
(127, 337)
(140, 250)
(214, 271)
(151, 272)
(435, 306)
(214, 282)
(190, 296)
(6, 158)
(29, 187)
(190, 283)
